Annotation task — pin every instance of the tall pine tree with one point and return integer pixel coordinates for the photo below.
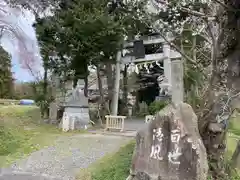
(6, 79)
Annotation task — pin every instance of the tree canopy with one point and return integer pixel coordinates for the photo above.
(6, 79)
(82, 33)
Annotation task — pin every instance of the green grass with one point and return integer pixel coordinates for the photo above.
(111, 167)
(232, 140)
(234, 125)
(22, 132)
(234, 134)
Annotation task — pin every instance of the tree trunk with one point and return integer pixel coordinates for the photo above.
(45, 93)
(223, 92)
(110, 81)
(125, 90)
(211, 122)
(86, 85)
(213, 128)
(103, 105)
(214, 118)
(45, 81)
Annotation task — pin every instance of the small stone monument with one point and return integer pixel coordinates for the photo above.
(53, 112)
(165, 87)
(170, 147)
(148, 118)
(76, 110)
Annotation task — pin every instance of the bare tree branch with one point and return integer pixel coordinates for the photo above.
(224, 5)
(192, 12)
(196, 13)
(37, 77)
(178, 49)
(175, 47)
(1, 33)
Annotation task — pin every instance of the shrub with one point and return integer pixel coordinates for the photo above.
(156, 106)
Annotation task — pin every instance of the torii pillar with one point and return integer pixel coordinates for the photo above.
(167, 63)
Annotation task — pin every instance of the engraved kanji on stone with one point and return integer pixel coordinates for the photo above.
(173, 156)
(175, 136)
(155, 152)
(157, 134)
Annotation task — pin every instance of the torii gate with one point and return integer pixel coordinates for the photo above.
(172, 65)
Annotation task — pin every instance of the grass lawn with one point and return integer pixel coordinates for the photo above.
(234, 134)
(111, 167)
(22, 133)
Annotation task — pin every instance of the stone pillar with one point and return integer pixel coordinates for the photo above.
(65, 122)
(130, 109)
(177, 81)
(114, 108)
(53, 112)
(167, 62)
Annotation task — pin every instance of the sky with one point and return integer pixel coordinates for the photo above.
(22, 21)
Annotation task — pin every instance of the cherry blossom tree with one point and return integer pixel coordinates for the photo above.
(21, 43)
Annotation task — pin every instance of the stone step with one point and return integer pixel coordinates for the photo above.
(19, 175)
(111, 133)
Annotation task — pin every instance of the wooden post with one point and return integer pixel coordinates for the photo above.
(123, 119)
(107, 122)
(177, 81)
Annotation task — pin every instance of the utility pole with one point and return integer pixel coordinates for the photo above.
(114, 104)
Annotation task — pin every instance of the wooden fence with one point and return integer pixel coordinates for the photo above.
(115, 122)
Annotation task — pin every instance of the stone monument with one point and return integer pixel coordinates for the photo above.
(165, 89)
(53, 112)
(170, 147)
(76, 110)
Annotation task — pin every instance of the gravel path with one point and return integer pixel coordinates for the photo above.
(63, 160)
